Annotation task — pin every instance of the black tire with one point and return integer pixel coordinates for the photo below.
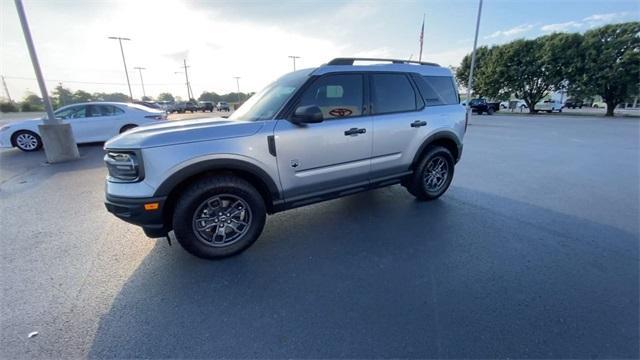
(490, 111)
(549, 111)
(560, 110)
(127, 127)
(202, 192)
(417, 185)
(26, 141)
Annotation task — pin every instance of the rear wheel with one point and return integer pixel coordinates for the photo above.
(26, 140)
(490, 111)
(433, 175)
(218, 217)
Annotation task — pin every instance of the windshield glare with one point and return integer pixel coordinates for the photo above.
(265, 104)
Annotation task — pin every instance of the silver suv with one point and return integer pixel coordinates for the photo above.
(312, 135)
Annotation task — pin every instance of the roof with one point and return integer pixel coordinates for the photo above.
(387, 65)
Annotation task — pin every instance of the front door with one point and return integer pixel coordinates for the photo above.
(330, 155)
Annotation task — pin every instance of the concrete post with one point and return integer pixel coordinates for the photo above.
(57, 138)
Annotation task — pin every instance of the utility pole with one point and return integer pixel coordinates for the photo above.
(144, 94)
(57, 138)
(238, 86)
(186, 75)
(126, 72)
(294, 60)
(473, 57)
(6, 89)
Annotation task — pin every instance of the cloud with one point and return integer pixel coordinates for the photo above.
(510, 32)
(589, 21)
(565, 26)
(605, 18)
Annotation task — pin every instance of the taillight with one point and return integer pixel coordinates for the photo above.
(155, 117)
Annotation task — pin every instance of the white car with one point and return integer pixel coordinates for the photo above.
(549, 106)
(90, 122)
(519, 104)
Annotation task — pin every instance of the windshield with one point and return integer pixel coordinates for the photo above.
(265, 104)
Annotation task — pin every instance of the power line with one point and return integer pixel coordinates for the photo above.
(88, 82)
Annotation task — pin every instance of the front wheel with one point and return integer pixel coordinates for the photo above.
(433, 175)
(26, 140)
(219, 216)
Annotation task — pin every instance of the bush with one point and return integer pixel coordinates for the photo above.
(26, 107)
(7, 107)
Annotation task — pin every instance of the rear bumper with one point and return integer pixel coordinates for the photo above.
(132, 210)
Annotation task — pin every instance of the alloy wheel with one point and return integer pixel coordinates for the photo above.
(27, 141)
(436, 174)
(222, 220)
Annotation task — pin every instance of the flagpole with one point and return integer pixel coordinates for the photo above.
(421, 37)
(473, 56)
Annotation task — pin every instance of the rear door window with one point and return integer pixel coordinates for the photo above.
(392, 93)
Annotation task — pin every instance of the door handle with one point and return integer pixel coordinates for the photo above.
(354, 131)
(418, 123)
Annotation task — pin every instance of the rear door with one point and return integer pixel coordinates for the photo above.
(103, 121)
(398, 123)
(336, 153)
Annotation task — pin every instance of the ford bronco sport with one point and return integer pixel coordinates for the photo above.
(310, 136)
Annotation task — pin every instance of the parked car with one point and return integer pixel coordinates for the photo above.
(166, 105)
(191, 106)
(307, 137)
(149, 104)
(90, 122)
(514, 104)
(573, 103)
(206, 106)
(483, 106)
(549, 106)
(599, 105)
(223, 106)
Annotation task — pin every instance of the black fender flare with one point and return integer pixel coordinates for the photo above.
(440, 135)
(218, 164)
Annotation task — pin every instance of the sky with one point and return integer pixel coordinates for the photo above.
(253, 39)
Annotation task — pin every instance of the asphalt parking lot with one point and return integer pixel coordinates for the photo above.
(533, 253)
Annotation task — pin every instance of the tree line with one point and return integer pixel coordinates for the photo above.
(62, 96)
(604, 61)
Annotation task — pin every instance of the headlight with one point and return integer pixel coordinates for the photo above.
(124, 166)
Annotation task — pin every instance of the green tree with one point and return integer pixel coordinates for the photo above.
(81, 96)
(61, 96)
(209, 96)
(7, 107)
(116, 97)
(611, 63)
(166, 97)
(31, 102)
(462, 71)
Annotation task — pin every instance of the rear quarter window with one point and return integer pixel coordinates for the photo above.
(438, 90)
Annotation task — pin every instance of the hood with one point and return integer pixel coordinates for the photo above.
(184, 131)
(29, 123)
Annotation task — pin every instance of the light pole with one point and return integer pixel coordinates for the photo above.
(124, 62)
(293, 57)
(473, 57)
(144, 94)
(238, 86)
(57, 138)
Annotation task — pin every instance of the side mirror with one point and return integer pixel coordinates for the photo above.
(310, 114)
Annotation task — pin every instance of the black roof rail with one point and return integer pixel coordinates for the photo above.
(350, 61)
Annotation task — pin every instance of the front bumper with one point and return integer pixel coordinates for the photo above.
(132, 210)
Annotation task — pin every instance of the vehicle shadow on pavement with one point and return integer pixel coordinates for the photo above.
(18, 168)
(381, 275)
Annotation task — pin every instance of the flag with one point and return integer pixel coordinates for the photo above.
(421, 38)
